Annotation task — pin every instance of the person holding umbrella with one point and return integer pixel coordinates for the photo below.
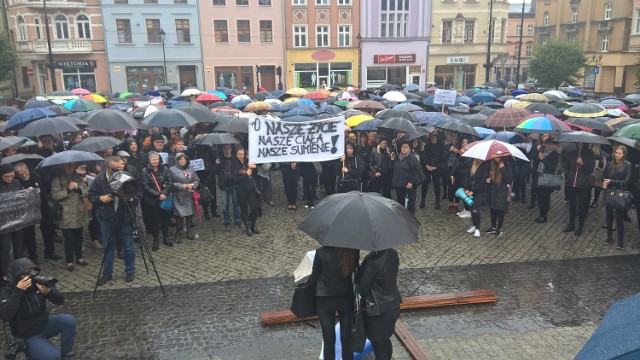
(331, 277)
(431, 161)
(545, 162)
(578, 165)
(156, 187)
(405, 168)
(476, 185)
(616, 175)
(241, 171)
(184, 182)
(500, 176)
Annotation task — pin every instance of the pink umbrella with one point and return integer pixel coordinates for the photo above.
(489, 149)
(80, 91)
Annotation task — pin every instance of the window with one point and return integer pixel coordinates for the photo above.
(62, 27)
(298, 2)
(123, 27)
(344, 2)
(529, 50)
(517, 49)
(25, 76)
(607, 11)
(468, 31)
(36, 21)
(22, 28)
(530, 30)
(120, 1)
(322, 36)
(574, 15)
(344, 35)
(264, 2)
(572, 39)
(183, 35)
(179, 1)
(322, 2)
(221, 33)
(266, 31)
(638, 21)
(446, 31)
(84, 27)
(218, 2)
(244, 31)
(545, 19)
(242, 2)
(394, 17)
(150, 1)
(518, 30)
(604, 43)
(300, 36)
(153, 31)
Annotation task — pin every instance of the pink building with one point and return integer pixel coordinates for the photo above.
(242, 44)
(508, 65)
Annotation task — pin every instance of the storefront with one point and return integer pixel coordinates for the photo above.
(313, 70)
(235, 77)
(405, 65)
(144, 78)
(78, 74)
(458, 74)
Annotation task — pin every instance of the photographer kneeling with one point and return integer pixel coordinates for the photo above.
(23, 305)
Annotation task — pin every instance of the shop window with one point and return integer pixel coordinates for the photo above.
(455, 76)
(144, 78)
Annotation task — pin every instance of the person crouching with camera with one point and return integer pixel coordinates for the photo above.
(23, 305)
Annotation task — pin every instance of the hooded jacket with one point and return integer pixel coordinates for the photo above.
(26, 311)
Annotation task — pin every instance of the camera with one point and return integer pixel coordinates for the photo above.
(44, 281)
(16, 346)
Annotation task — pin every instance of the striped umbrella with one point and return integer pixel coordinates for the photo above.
(586, 110)
(547, 124)
(490, 149)
(430, 118)
(507, 118)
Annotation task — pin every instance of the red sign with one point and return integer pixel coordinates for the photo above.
(394, 59)
(30, 72)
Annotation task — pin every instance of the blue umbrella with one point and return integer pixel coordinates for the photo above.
(575, 92)
(483, 96)
(470, 92)
(277, 93)
(151, 93)
(617, 335)
(219, 93)
(120, 106)
(369, 125)
(297, 118)
(510, 137)
(431, 100)
(306, 102)
(430, 118)
(78, 105)
(70, 157)
(24, 117)
(495, 91)
(32, 104)
(301, 111)
(519, 92)
(240, 104)
(464, 99)
(484, 132)
(331, 109)
(411, 87)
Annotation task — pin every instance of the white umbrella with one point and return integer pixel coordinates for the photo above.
(509, 103)
(191, 92)
(273, 102)
(395, 96)
(489, 149)
(557, 93)
(239, 98)
(306, 266)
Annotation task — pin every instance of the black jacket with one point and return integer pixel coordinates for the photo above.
(224, 172)
(405, 171)
(379, 162)
(150, 192)
(326, 275)
(377, 282)
(478, 181)
(26, 311)
(498, 194)
(356, 168)
(107, 211)
(242, 182)
(620, 176)
(432, 156)
(578, 176)
(14, 185)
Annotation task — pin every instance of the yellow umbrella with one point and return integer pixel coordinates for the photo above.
(258, 106)
(291, 99)
(355, 120)
(99, 99)
(535, 97)
(520, 105)
(297, 92)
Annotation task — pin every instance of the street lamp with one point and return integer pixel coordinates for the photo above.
(596, 60)
(520, 46)
(164, 56)
(52, 67)
(489, 40)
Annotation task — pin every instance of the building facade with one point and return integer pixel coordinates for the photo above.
(322, 43)
(603, 29)
(152, 43)
(519, 24)
(634, 39)
(458, 46)
(77, 44)
(243, 44)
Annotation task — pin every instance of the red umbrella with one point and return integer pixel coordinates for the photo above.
(507, 118)
(315, 95)
(208, 97)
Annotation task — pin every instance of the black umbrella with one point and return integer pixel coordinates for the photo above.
(144, 111)
(31, 159)
(48, 126)
(365, 221)
(109, 120)
(582, 137)
(8, 110)
(233, 124)
(220, 104)
(632, 143)
(389, 87)
(198, 111)
(169, 118)
(590, 123)
(97, 143)
(70, 157)
(215, 139)
(399, 124)
(391, 113)
(544, 108)
(260, 95)
(475, 119)
(459, 127)
(9, 141)
(58, 109)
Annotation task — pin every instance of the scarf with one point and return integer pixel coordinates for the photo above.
(403, 156)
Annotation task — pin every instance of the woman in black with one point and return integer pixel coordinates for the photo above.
(431, 161)
(377, 283)
(156, 186)
(241, 172)
(405, 167)
(616, 175)
(476, 185)
(578, 166)
(379, 169)
(331, 277)
(545, 162)
(290, 179)
(350, 175)
(500, 177)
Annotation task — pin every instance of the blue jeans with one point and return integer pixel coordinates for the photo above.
(39, 346)
(229, 195)
(109, 232)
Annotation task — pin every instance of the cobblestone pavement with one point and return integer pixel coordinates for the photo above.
(553, 289)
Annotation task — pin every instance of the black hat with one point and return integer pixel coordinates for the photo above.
(6, 168)
(156, 136)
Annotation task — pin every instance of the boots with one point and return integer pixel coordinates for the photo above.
(578, 231)
(206, 213)
(178, 237)
(246, 225)
(156, 242)
(422, 201)
(190, 234)
(437, 205)
(254, 229)
(166, 241)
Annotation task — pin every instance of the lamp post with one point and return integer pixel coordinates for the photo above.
(520, 47)
(359, 38)
(164, 56)
(489, 40)
(52, 67)
(596, 60)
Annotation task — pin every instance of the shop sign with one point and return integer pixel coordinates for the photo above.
(394, 59)
(75, 65)
(457, 59)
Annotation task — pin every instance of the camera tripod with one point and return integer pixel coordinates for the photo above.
(142, 244)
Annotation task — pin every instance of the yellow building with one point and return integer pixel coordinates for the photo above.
(459, 37)
(601, 28)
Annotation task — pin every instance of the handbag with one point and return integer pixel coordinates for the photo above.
(617, 199)
(205, 194)
(358, 332)
(550, 181)
(55, 209)
(303, 303)
(167, 204)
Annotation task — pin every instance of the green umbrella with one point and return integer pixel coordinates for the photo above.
(630, 131)
(125, 94)
(341, 103)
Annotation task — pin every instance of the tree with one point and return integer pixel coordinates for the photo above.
(637, 83)
(557, 62)
(8, 58)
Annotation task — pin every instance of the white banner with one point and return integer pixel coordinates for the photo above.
(197, 164)
(282, 141)
(445, 97)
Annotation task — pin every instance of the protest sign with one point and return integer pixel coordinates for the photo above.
(19, 209)
(445, 97)
(197, 164)
(281, 141)
(164, 157)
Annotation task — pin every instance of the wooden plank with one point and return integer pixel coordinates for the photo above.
(410, 302)
(409, 342)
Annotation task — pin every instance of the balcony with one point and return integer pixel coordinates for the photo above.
(51, 4)
(57, 46)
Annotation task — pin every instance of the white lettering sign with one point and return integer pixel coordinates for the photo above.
(197, 164)
(282, 141)
(164, 157)
(457, 59)
(445, 97)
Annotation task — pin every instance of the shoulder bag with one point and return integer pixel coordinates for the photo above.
(617, 199)
(550, 181)
(303, 303)
(166, 204)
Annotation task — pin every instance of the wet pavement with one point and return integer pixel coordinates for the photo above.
(553, 289)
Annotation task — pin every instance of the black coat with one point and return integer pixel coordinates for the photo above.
(224, 172)
(377, 282)
(620, 176)
(379, 162)
(432, 155)
(356, 168)
(150, 191)
(498, 194)
(326, 276)
(107, 211)
(242, 182)
(578, 176)
(405, 171)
